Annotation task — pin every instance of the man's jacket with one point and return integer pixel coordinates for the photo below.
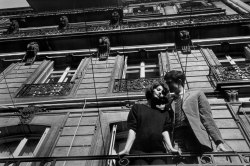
(199, 115)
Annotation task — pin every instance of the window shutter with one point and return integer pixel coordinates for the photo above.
(210, 56)
(164, 64)
(117, 72)
(80, 69)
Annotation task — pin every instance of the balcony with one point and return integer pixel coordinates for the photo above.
(214, 158)
(44, 90)
(231, 77)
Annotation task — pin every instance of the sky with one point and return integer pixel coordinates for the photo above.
(13, 3)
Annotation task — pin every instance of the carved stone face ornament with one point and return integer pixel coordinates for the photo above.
(31, 53)
(64, 23)
(14, 27)
(116, 15)
(103, 48)
(26, 114)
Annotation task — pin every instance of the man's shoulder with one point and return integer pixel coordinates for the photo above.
(193, 92)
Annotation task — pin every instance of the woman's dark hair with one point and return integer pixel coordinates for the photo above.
(175, 76)
(150, 90)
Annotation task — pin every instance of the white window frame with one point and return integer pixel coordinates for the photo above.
(63, 75)
(43, 78)
(112, 151)
(143, 68)
(113, 138)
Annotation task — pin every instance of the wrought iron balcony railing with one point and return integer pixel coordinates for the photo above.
(133, 85)
(231, 73)
(213, 158)
(49, 89)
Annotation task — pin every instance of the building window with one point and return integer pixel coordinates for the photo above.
(57, 80)
(19, 147)
(21, 141)
(232, 68)
(231, 63)
(58, 76)
(119, 133)
(244, 115)
(146, 66)
(118, 138)
(139, 70)
(142, 9)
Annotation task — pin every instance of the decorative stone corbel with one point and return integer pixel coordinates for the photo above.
(26, 114)
(103, 48)
(232, 95)
(13, 28)
(185, 41)
(31, 53)
(64, 23)
(115, 19)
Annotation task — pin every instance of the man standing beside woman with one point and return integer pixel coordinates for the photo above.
(187, 120)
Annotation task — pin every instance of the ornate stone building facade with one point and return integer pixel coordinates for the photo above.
(70, 74)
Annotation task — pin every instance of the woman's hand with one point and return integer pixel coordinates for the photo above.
(172, 150)
(123, 152)
(221, 148)
(167, 143)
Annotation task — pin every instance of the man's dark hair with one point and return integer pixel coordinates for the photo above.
(150, 90)
(175, 76)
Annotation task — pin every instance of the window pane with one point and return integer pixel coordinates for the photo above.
(133, 75)
(56, 75)
(29, 147)
(6, 149)
(152, 70)
(147, 66)
(152, 74)
(68, 78)
(53, 78)
(133, 71)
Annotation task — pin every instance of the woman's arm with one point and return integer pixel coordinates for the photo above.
(166, 139)
(129, 143)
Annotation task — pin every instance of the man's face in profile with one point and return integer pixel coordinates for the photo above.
(174, 87)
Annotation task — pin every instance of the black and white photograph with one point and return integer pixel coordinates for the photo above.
(124, 82)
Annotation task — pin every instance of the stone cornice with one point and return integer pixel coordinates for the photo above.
(59, 12)
(174, 23)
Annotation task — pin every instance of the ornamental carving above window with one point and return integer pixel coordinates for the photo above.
(26, 114)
